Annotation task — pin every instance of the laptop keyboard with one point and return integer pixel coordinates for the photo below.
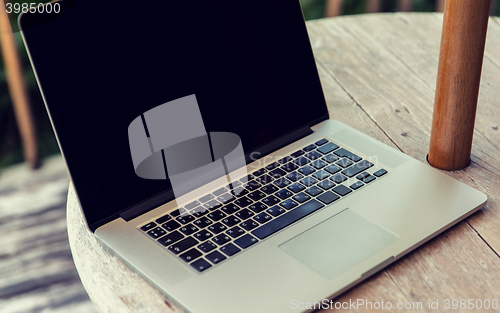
(238, 216)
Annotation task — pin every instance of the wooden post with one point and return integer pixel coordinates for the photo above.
(405, 5)
(440, 5)
(459, 75)
(333, 8)
(17, 89)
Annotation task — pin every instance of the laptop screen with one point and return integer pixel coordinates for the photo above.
(104, 63)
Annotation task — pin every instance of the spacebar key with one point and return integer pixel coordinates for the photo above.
(287, 219)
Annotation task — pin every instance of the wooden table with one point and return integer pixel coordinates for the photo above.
(379, 76)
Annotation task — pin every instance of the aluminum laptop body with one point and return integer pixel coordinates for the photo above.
(83, 63)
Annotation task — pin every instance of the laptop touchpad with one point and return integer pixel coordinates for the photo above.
(339, 243)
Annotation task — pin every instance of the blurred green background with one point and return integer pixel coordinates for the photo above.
(10, 143)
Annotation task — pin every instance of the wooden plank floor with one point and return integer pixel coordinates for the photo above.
(37, 273)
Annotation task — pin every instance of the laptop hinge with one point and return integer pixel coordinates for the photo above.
(163, 198)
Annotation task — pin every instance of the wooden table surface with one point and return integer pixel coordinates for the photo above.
(379, 76)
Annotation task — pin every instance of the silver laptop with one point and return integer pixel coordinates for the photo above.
(274, 204)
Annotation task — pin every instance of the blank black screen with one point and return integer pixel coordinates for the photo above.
(103, 63)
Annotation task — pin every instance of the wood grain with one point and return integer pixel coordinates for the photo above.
(459, 75)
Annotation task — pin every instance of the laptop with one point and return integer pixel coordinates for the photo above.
(315, 206)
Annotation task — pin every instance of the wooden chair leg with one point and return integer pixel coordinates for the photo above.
(374, 6)
(333, 8)
(459, 74)
(17, 90)
(405, 5)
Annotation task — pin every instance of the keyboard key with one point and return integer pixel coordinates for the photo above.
(230, 208)
(258, 207)
(347, 154)
(270, 201)
(203, 235)
(149, 226)
(226, 197)
(259, 172)
(281, 183)
(235, 232)
(308, 181)
(183, 245)
(231, 221)
(301, 197)
(170, 238)
(264, 179)
(287, 219)
(207, 246)
(185, 219)
(275, 211)
(294, 176)
(314, 191)
(314, 155)
(220, 191)
(200, 265)
(326, 184)
(328, 197)
(328, 148)
(338, 178)
(215, 257)
(246, 179)
(221, 239)
(256, 195)
(288, 204)
(272, 166)
(301, 161)
(321, 175)
(332, 169)
(244, 214)
(269, 189)
(202, 222)
(285, 160)
(175, 213)
(321, 142)
(206, 198)
(290, 167)
(357, 168)
(306, 170)
(380, 172)
(230, 249)
(356, 185)
(191, 205)
(296, 154)
(246, 241)
(345, 162)
(163, 219)
(330, 158)
(283, 194)
(171, 225)
(217, 215)
(199, 211)
(309, 148)
(369, 179)
(253, 185)
(296, 187)
(189, 229)
(212, 205)
(362, 176)
(190, 255)
(240, 191)
(243, 202)
(249, 225)
(342, 190)
(277, 173)
(262, 218)
(318, 164)
(217, 228)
